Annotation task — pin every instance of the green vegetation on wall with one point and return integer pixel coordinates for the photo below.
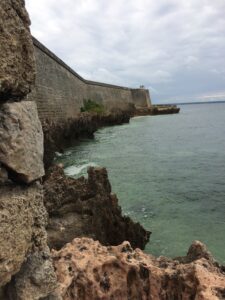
(92, 106)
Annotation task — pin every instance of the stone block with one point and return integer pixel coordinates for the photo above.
(21, 136)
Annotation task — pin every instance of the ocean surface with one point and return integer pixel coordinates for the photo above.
(168, 173)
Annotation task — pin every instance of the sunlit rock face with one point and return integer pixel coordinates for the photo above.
(17, 64)
(88, 270)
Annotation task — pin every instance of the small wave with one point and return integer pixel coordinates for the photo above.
(58, 154)
(76, 170)
(68, 153)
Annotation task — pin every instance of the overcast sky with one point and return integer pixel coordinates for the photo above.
(176, 48)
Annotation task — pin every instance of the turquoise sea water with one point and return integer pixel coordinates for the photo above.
(168, 173)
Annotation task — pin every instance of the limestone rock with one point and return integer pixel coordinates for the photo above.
(17, 65)
(22, 218)
(36, 278)
(87, 270)
(21, 147)
(24, 254)
(86, 207)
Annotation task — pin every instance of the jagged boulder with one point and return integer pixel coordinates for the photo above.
(86, 207)
(17, 65)
(21, 136)
(87, 270)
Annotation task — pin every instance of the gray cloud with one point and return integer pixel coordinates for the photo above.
(173, 47)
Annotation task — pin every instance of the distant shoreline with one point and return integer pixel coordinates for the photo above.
(190, 103)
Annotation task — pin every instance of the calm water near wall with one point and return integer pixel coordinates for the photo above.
(168, 173)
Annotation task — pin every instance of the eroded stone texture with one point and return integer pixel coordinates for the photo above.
(21, 136)
(17, 65)
(22, 219)
(86, 207)
(23, 244)
(36, 278)
(88, 270)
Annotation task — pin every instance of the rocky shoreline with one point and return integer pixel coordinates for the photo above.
(87, 207)
(41, 215)
(59, 136)
(157, 110)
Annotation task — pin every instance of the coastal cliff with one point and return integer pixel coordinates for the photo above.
(39, 212)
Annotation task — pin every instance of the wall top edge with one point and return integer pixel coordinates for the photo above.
(44, 49)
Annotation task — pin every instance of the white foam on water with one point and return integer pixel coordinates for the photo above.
(58, 154)
(76, 170)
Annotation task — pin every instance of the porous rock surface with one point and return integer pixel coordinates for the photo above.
(36, 279)
(21, 136)
(22, 222)
(86, 207)
(17, 65)
(87, 270)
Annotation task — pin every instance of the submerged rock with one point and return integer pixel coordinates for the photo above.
(86, 207)
(17, 65)
(87, 270)
(21, 147)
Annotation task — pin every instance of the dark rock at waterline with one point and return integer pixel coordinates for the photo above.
(157, 110)
(86, 207)
(58, 136)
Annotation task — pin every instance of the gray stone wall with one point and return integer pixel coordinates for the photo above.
(59, 91)
(141, 98)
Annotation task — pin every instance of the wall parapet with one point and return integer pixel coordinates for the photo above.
(60, 92)
(63, 64)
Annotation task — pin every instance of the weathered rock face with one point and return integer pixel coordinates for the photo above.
(23, 243)
(88, 270)
(19, 209)
(86, 207)
(21, 147)
(17, 66)
(25, 263)
(36, 278)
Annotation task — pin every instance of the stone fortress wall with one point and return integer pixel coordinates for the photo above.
(59, 91)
